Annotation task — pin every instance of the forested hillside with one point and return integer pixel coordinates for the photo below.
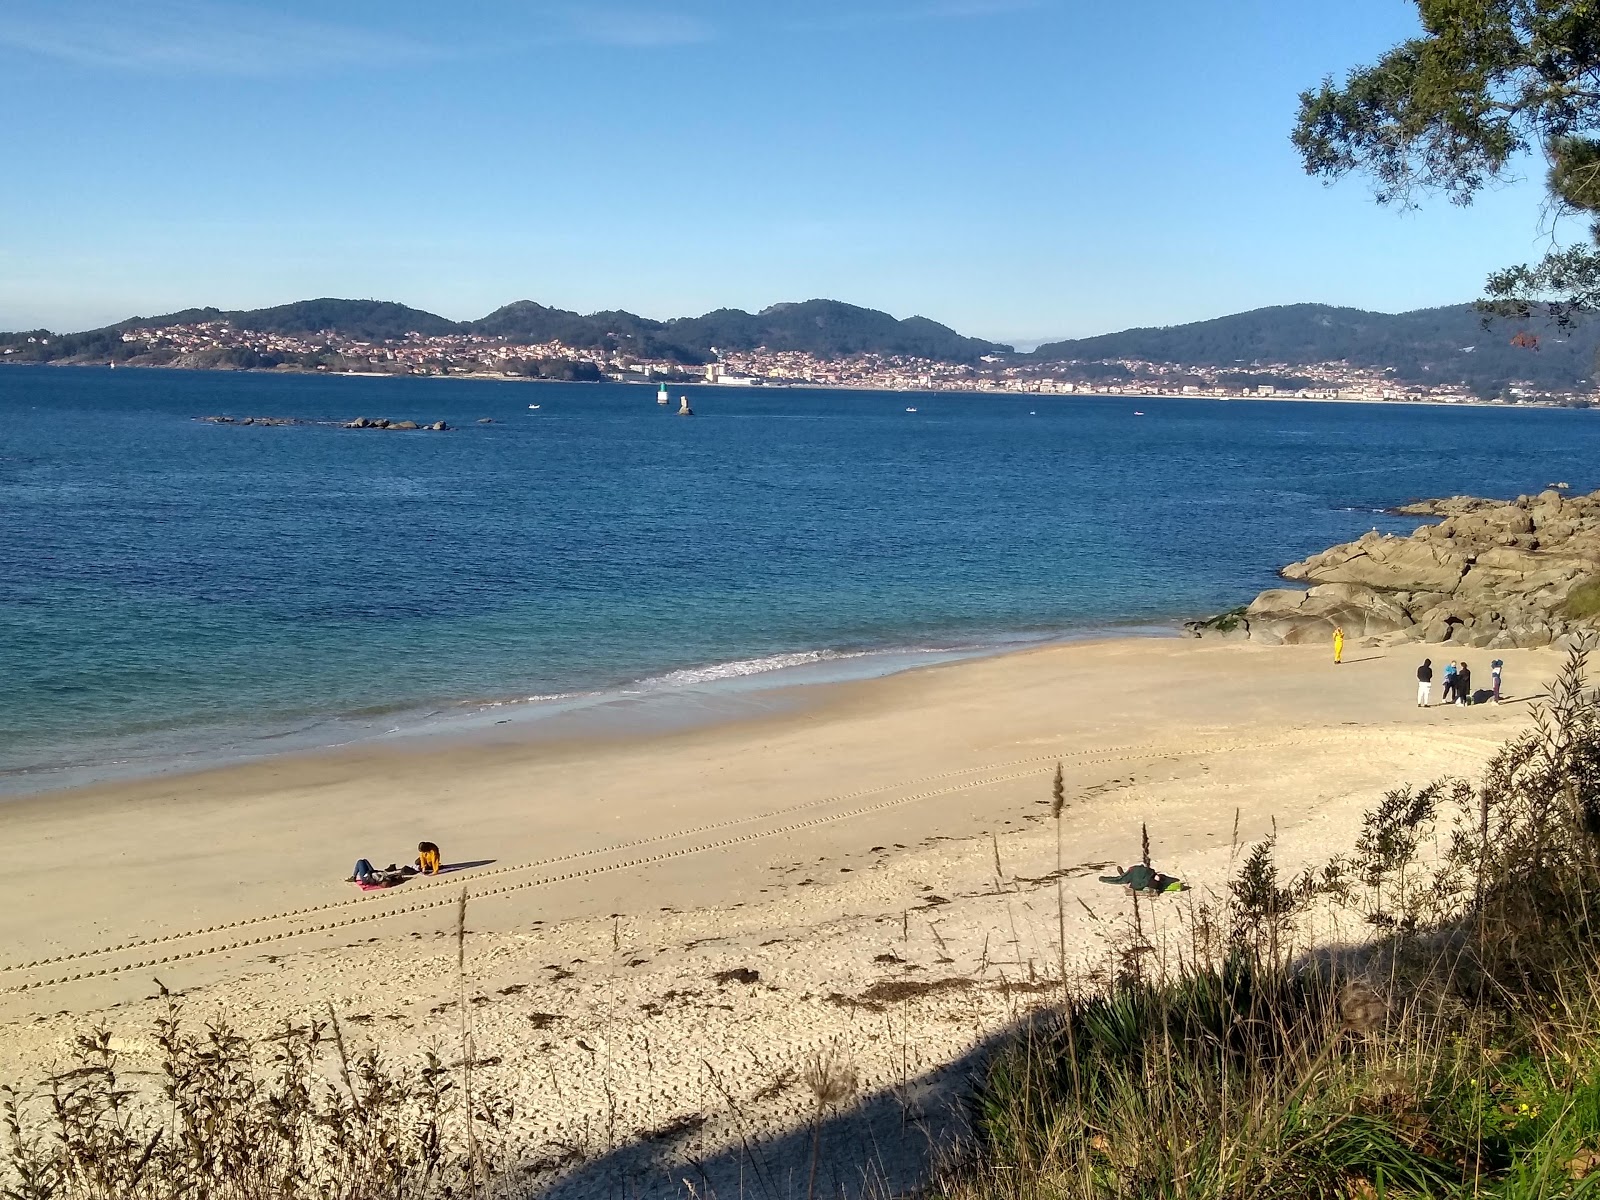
(1429, 345)
(826, 328)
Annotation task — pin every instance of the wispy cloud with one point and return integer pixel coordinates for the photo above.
(191, 36)
(630, 27)
(913, 14)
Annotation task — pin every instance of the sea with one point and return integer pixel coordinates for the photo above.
(176, 593)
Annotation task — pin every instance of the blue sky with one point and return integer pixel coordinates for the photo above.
(1019, 169)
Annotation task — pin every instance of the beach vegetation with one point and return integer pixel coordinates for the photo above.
(1440, 1039)
(295, 1115)
(832, 1080)
(1225, 622)
(1583, 601)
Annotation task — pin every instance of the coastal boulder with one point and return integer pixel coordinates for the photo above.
(1488, 574)
(404, 425)
(1385, 563)
(1528, 637)
(1274, 614)
(1436, 631)
(1360, 611)
(1288, 616)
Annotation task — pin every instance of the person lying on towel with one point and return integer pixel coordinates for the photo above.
(1140, 878)
(368, 876)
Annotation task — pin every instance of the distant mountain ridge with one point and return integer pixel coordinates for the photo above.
(827, 328)
(1448, 345)
(1427, 345)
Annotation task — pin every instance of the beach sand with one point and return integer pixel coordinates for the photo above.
(664, 929)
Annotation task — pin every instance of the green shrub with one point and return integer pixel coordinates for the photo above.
(1583, 601)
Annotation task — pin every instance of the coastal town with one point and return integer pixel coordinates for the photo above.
(222, 344)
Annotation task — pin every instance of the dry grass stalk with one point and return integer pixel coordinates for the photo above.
(227, 1118)
(467, 1049)
(831, 1079)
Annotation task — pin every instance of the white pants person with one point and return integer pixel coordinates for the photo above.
(1424, 694)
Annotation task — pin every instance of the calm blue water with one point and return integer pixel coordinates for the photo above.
(169, 586)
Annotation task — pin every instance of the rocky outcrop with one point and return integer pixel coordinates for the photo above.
(1490, 573)
(358, 423)
(385, 423)
(253, 420)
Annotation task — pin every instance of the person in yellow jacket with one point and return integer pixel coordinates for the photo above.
(428, 858)
(1338, 645)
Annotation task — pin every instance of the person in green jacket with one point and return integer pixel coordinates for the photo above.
(1140, 878)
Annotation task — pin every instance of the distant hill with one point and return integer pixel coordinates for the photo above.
(1428, 345)
(370, 320)
(827, 328)
(526, 321)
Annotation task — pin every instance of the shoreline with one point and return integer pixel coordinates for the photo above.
(691, 696)
(487, 377)
(872, 871)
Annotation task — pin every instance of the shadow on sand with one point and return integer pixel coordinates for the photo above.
(884, 1144)
(447, 868)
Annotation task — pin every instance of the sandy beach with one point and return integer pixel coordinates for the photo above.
(663, 929)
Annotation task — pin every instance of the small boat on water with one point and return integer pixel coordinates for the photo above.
(911, 410)
(1137, 413)
(662, 397)
(533, 406)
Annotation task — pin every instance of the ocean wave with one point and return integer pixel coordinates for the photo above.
(480, 702)
(742, 667)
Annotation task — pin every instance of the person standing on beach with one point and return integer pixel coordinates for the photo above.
(1425, 683)
(1463, 685)
(1494, 674)
(1338, 646)
(1449, 681)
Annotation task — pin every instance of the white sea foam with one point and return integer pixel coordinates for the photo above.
(513, 700)
(742, 667)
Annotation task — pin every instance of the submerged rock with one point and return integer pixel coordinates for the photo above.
(253, 420)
